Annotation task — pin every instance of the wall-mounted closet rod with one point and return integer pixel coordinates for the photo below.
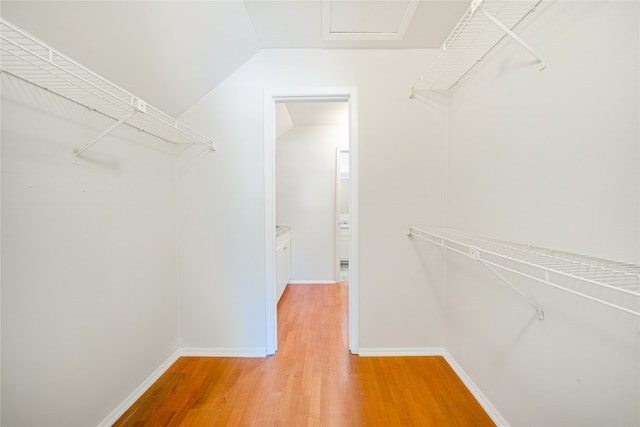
(621, 278)
(474, 253)
(484, 24)
(102, 111)
(29, 59)
(448, 42)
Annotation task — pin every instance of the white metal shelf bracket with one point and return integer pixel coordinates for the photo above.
(537, 307)
(517, 38)
(476, 254)
(97, 139)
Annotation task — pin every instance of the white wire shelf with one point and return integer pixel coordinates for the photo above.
(481, 28)
(27, 58)
(617, 284)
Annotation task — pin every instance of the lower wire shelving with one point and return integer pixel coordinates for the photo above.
(612, 283)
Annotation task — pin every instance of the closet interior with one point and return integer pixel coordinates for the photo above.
(496, 222)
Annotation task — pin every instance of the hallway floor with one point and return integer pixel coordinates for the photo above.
(312, 380)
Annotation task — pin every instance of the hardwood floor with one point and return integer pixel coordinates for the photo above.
(313, 380)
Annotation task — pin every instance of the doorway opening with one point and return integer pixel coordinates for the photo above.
(342, 215)
(274, 100)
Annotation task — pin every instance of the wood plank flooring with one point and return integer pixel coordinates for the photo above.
(313, 380)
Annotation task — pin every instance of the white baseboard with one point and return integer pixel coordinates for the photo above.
(312, 282)
(475, 391)
(409, 351)
(223, 352)
(139, 391)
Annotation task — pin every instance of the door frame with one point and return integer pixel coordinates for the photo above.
(271, 96)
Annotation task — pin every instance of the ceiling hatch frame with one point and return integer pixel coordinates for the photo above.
(329, 35)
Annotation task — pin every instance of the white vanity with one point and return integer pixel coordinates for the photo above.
(283, 259)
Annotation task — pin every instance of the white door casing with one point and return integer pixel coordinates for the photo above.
(348, 94)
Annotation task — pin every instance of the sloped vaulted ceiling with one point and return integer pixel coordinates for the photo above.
(172, 53)
(168, 53)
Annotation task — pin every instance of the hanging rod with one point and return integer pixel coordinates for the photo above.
(484, 24)
(29, 59)
(550, 267)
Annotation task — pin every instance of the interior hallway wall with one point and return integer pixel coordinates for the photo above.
(550, 158)
(402, 147)
(89, 305)
(306, 198)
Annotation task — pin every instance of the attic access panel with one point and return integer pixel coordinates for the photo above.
(366, 20)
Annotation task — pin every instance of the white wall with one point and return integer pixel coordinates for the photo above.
(221, 200)
(306, 198)
(344, 195)
(88, 261)
(550, 158)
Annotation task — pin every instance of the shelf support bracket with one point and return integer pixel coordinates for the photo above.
(539, 311)
(514, 36)
(97, 139)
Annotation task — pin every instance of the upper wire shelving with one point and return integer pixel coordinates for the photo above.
(27, 58)
(484, 24)
(613, 283)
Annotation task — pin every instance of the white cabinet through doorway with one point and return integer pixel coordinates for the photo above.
(283, 259)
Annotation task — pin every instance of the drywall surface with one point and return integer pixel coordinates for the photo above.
(306, 198)
(88, 261)
(402, 166)
(550, 158)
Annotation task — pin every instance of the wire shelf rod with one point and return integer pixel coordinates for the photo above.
(443, 243)
(31, 60)
(455, 35)
(64, 79)
(49, 62)
(555, 271)
(580, 261)
(483, 25)
(484, 250)
(506, 257)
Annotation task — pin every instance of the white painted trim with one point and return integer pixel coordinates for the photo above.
(139, 391)
(486, 404)
(408, 351)
(354, 226)
(312, 282)
(224, 352)
(328, 34)
(271, 311)
(336, 222)
(308, 94)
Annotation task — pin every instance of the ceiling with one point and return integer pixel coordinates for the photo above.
(172, 53)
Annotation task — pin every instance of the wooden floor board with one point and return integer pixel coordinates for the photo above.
(312, 380)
